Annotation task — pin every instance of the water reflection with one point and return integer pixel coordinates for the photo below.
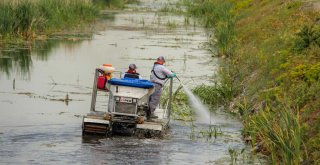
(17, 62)
(108, 16)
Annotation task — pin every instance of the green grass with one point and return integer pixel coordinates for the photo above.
(282, 136)
(181, 109)
(217, 14)
(219, 93)
(27, 18)
(112, 4)
(211, 132)
(271, 74)
(24, 20)
(171, 24)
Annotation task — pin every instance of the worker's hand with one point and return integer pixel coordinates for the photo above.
(173, 75)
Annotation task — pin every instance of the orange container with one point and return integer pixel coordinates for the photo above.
(107, 68)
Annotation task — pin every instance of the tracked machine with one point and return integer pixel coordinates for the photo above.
(127, 105)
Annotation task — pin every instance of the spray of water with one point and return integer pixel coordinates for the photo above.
(202, 111)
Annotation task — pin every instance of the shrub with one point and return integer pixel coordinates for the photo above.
(280, 135)
(307, 37)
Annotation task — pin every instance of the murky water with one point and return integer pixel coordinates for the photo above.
(38, 126)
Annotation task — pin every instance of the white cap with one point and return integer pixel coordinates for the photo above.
(161, 58)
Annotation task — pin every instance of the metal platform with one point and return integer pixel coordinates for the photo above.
(98, 121)
(159, 124)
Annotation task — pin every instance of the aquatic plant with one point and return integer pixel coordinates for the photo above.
(171, 24)
(211, 132)
(193, 132)
(113, 4)
(186, 20)
(282, 135)
(180, 109)
(215, 94)
(142, 22)
(233, 155)
(217, 14)
(244, 108)
(26, 18)
(175, 7)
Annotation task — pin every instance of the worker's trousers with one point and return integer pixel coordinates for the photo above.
(154, 99)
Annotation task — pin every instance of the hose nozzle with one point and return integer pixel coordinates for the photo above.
(178, 79)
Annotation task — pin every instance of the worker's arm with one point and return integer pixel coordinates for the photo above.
(168, 73)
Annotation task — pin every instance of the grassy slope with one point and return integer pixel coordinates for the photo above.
(273, 73)
(278, 75)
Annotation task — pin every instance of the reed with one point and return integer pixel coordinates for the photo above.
(219, 93)
(281, 136)
(225, 36)
(180, 109)
(233, 155)
(211, 132)
(119, 4)
(217, 14)
(171, 24)
(26, 18)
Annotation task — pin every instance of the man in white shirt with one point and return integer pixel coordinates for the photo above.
(158, 76)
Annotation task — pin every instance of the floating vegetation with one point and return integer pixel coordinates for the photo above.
(211, 132)
(49, 145)
(171, 24)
